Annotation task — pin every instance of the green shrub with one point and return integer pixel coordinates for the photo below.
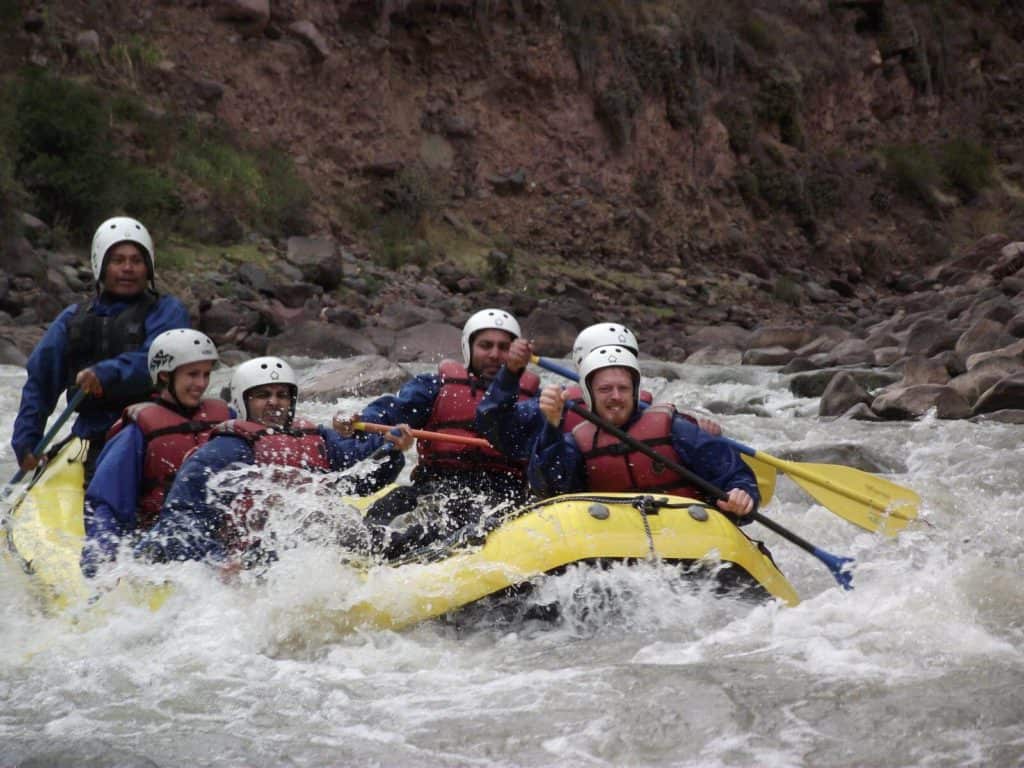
(615, 107)
(414, 192)
(262, 186)
(787, 290)
(778, 101)
(61, 148)
(967, 166)
(913, 171)
(738, 119)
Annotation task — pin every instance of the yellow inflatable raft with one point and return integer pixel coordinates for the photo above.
(46, 532)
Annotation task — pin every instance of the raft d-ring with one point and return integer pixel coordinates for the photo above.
(698, 512)
(599, 511)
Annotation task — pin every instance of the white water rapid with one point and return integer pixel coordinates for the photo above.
(922, 664)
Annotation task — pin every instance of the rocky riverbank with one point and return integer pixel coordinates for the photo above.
(949, 339)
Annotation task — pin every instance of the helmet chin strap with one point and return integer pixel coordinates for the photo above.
(174, 394)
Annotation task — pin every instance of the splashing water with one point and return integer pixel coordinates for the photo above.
(921, 665)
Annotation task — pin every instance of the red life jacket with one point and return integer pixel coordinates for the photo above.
(571, 419)
(454, 411)
(169, 437)
(299, 446)
(611, 465)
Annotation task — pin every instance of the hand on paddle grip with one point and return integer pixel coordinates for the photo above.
(345, 425)
(520, 352)
(736, 501)
(551, 403)
(89, 382)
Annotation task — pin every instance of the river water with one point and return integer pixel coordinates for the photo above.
(921, 665)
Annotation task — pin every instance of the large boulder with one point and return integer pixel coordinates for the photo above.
(924, 370)
(551, 334)
(842, 393)
(928, 336)
(1007, 394)
(357, 376)
(427, 343)
(313, 338)
(985, 375)
(984, 335)
(787, 336)
(768, 356)
(814, 383)
(914, 402)
(319, 260)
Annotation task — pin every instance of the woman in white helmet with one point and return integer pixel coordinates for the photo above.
(470, 480)
(99, 346)
(195, 524)
(147, 446)
(589, 459)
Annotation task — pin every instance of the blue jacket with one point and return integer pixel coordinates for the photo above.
(412, 405)
(511, 425)
(191, 519)
(48, 374)
(557, 465)
(111, 499)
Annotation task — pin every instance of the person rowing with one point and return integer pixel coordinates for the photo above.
(147, 445)
(99, 347)
(206, 519)
(464, 481)
(513, 424)
(592, 459)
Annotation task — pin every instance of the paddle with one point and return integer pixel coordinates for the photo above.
(839, 566)
(861, 498)
(422, 434)
(44, 442)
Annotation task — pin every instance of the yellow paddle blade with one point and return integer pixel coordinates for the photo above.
(765, 474)
(867, 500)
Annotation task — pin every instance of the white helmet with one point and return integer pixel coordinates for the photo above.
(120, 229)
(257, 372)
(486, 319)
(175, 348)
(608, 357)
(603, 335)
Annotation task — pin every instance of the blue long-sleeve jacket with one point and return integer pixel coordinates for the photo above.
(48, 373)
(412, 405)
(192, 517)
(112, 497)
(557, 465)
(511, 425)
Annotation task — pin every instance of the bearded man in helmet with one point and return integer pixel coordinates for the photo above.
(204, 520)
(590, 459)
(100, 346)
(512, 424)
(466, 481)
(146, 447)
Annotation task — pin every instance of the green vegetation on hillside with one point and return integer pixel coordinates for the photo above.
(960, 165)
(74, 154)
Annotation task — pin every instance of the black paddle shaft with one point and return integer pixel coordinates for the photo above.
(690, 477)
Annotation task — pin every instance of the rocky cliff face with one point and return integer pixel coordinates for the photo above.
(674, 163)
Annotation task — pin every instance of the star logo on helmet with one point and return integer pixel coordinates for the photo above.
(274, 375)
(613, 358)
(160, 359)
